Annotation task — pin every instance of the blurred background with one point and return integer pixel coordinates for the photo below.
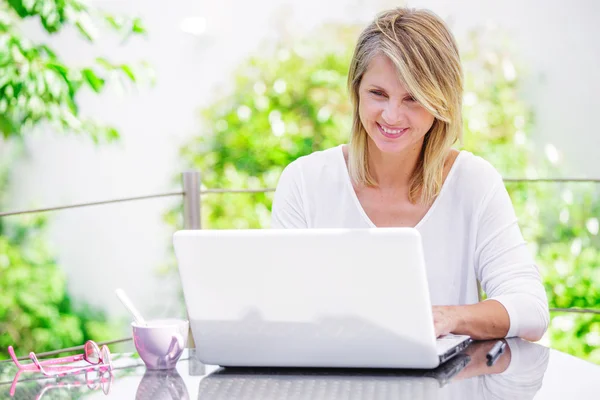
(109, 99)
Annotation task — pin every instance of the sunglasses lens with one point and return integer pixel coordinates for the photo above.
(91, 378)
(106, 381)
(92, 353)
(105, 353)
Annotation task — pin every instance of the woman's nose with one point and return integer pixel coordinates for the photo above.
(392, 113)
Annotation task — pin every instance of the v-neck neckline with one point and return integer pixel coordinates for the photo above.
(362, 211)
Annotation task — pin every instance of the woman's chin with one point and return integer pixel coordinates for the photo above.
(403, 144)
(388, 146)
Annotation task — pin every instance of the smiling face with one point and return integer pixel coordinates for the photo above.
(395, 122)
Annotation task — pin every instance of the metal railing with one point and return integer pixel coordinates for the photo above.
(552, 180)
(191, 192)
(192, 198)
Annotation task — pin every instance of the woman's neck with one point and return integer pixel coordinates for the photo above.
(393, 171)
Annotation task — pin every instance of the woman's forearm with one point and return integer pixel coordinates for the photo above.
(485, 320)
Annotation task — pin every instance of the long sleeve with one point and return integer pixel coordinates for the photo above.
(288, 207)
(506, 268)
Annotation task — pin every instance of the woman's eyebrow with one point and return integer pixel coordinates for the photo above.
(374, 86)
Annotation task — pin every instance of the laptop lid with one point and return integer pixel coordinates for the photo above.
(304, 297)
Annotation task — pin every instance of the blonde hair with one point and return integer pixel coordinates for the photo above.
(425, 53)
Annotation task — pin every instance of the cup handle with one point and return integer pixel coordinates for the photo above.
(176, 346)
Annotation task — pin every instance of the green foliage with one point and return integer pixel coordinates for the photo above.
(291, 101)
(36, 85)
(35, 311)
(569, 251)
(38, 88)
(285, 105)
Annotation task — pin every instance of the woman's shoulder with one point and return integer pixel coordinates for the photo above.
(474, 179)
(476, 170)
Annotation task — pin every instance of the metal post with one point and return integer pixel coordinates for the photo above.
(191, 200)
(191, 220)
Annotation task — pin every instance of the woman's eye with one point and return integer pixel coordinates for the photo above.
(410, 99)
(377, 92)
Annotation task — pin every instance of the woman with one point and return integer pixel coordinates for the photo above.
(399, 170)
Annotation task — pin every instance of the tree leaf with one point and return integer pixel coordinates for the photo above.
(137, 26)
(19, 8)
(7, 127)
(48, 51)
(95, 82)
(84, 32)
(105, 63)
(115, 23)
(112, 134)
(61, 69)
(127, 70)
(86, 27)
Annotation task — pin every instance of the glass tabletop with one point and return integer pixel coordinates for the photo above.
(525, 371)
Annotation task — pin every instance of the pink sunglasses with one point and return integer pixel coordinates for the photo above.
(94, 355)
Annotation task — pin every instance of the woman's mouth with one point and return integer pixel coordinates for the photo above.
(391, 133)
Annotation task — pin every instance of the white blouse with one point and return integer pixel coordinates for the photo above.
(469, 234)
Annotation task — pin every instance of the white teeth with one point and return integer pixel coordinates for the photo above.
(391, 131)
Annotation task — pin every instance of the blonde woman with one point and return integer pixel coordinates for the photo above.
(400, 170)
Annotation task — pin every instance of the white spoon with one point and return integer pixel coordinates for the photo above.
(130, 307)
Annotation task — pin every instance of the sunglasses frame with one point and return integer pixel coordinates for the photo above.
(104, 362)
(89, 348)
(56, 367)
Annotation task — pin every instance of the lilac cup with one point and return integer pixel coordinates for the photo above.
(161, 342)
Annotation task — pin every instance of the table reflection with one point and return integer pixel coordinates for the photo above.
(162, 385)
(517, 374)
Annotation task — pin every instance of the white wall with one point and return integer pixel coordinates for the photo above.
(122, 245)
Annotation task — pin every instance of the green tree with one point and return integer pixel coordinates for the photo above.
(287, 103)
(291, 100)
(37, 88)
(36, 85)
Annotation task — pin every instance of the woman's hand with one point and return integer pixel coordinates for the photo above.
(445, 320)
(482, 321)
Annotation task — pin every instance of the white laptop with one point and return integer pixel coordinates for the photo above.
(310, 298)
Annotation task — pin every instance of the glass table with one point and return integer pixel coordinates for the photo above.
(524, 371)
